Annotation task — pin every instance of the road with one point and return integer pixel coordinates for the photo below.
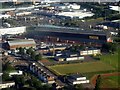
(41, 65)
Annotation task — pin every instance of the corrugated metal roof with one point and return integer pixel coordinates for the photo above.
(71, 30)
(21, 42)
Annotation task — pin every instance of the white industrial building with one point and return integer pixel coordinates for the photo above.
(90, 52)
(80, 14)
(4, 16)
(115, 8)
(15, 73)
(7, 85)
(74, 58)
(68, 58)
(14, 30)
(77, 79)
(68, 6)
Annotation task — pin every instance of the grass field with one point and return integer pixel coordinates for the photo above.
(111, 59)
(86, 67)
(110, 82)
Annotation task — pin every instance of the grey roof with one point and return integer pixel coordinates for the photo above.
(21, 42)
(71, 30)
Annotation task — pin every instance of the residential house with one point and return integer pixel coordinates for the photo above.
(42, 75)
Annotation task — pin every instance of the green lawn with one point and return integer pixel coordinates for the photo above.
(86, 67)
(110, 82)
(111, 59)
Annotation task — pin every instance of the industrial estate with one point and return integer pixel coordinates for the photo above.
(58, 45)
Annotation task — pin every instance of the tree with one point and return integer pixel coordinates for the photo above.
(21, 51)
(119, 33)
(37, 84)
(19, 80)
(27, 88)
(5, 77)
(29, 51)
(109, 47)
(46, 87)
(98, 81)
(8, 67)
(76, 48)
(33, 55)
(34, 82)
(10, 88)
(38, 57)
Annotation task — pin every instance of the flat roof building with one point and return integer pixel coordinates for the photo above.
(13, 30)
(77, 79)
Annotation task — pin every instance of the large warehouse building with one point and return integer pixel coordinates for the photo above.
(17, 43)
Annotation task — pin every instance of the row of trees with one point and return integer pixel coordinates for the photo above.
(30, 52)
(109, 47)
(6, 68)
(98, 83)
(76, 48)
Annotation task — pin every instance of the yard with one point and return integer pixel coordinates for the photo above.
(110, 82)
(86, 67)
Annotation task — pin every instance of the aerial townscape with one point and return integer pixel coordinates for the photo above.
(59, 44)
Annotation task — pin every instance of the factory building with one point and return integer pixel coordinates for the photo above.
(17, 43)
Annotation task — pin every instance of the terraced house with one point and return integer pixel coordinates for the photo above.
(42, 75)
